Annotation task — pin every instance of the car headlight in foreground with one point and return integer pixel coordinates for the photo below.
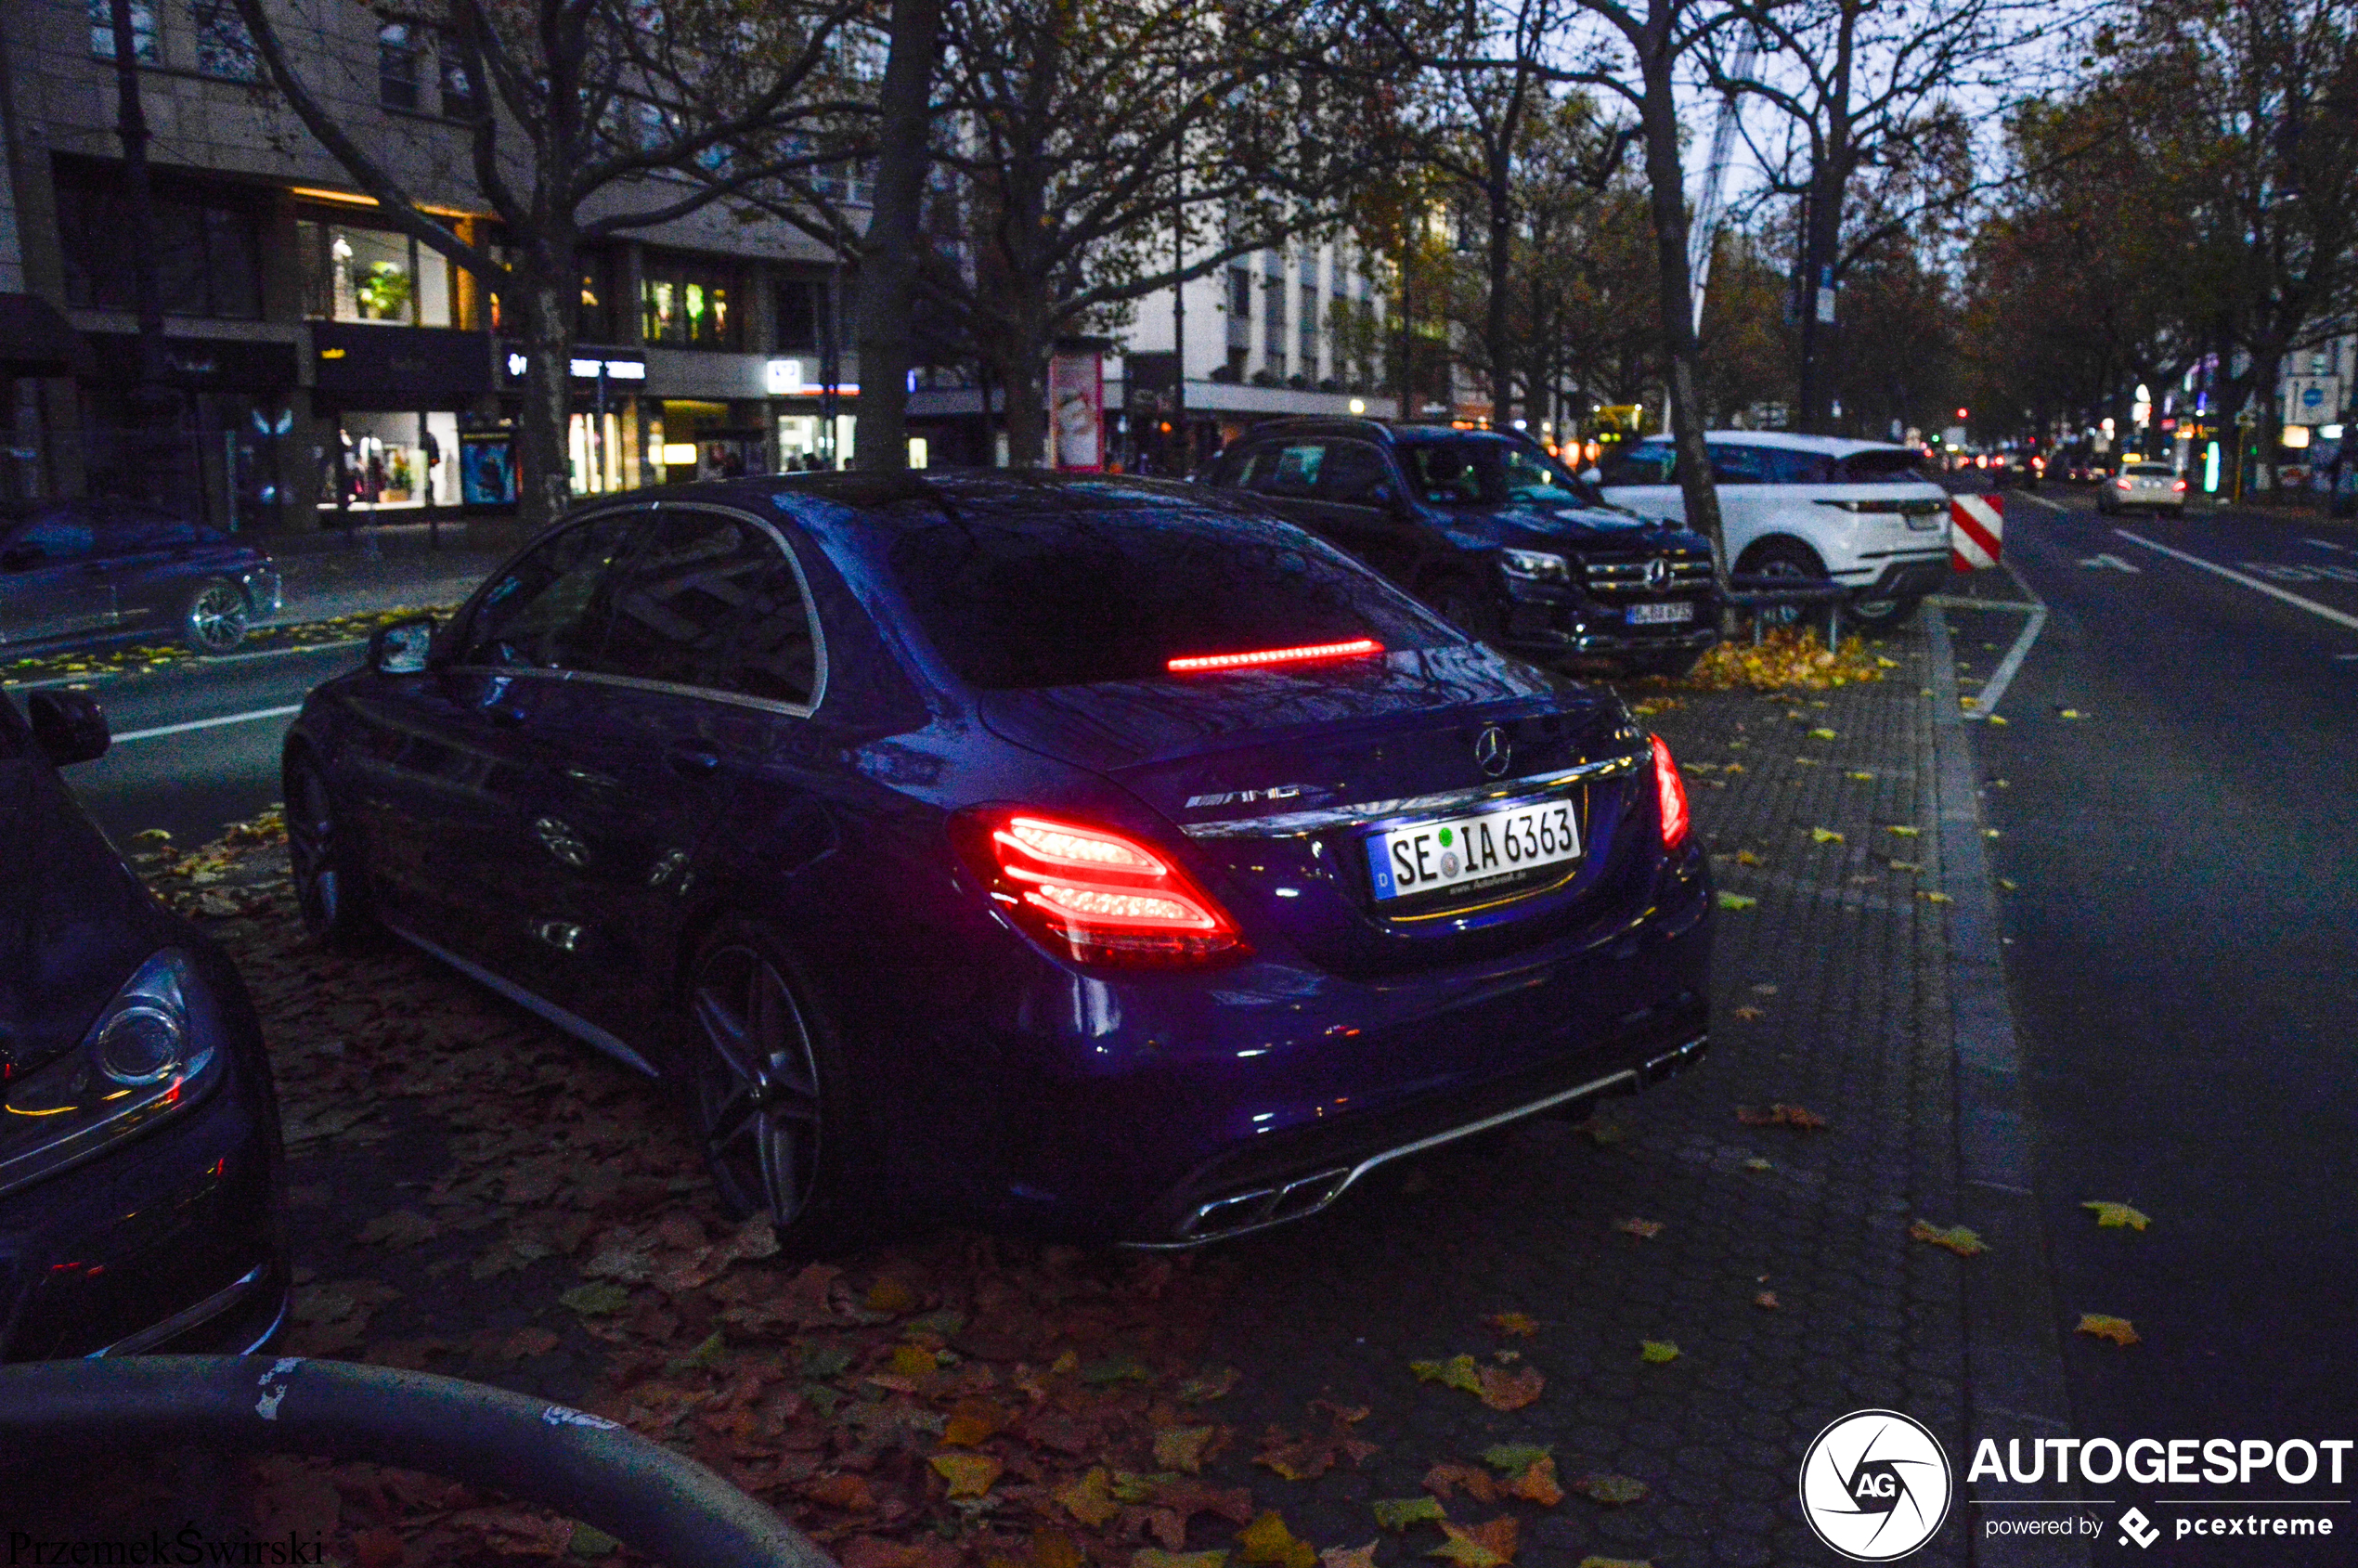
(151, 1054)
(1535, 566)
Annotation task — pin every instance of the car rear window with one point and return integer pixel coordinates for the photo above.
(1088, 598)
(2152, 469)
(1881, 468)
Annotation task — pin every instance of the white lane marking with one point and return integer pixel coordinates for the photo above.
(2327, 612)
(162, 730)
(2285, 572)
(1986, 703)
(2325, 544)
(2037, 499)
(2108, 562)
(2346, 655)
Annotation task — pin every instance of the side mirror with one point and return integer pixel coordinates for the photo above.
(1593, 475)
(1383, 494)
(401, 648)
(68, 726)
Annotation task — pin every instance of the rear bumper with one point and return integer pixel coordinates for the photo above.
(1908, 579)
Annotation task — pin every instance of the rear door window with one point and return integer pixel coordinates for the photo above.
(1088, 598)
(1350, 472)
(1733, 464)
(1786, 467)
(1287, 471)
(708, 600)
(1638, 465)
(1882, 468)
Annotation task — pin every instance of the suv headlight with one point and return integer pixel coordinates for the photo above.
(153, 1053)
(1535, 566)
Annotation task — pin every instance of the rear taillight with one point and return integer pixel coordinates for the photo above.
(2177, 484)
(1672, 792)
(1094, 895)
(2123, 482)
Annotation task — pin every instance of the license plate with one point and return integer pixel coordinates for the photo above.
(1661, 614)
(1466, 850)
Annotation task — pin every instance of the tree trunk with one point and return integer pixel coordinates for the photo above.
(1502, 390)
(1027, 416)
(1666, 192)
(889, 256)
(544, 481)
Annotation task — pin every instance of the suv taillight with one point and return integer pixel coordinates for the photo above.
(1671, 791)
(2124, 481)
(1094, 895)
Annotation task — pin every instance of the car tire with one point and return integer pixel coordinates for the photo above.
(212, 616)
(1781, 558)
(1466, 604)
(770, 1099)
(328, 863)
(1881, 614)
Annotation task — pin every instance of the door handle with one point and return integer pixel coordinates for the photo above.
(691, 762)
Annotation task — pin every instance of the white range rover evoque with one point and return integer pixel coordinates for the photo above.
(1861, 513)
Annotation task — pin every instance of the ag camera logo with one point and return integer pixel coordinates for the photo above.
(1876, 1485)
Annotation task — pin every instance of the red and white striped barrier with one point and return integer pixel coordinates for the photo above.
(1977, 529)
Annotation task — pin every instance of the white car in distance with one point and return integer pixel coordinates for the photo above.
(1861, 513)
(2155, 485)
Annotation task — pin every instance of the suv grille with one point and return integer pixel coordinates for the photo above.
(1638, 576)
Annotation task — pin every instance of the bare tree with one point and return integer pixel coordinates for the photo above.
(589, 119)
(892, 251)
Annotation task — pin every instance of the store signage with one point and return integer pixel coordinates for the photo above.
(517, 362)
(785, 378)
(364, 365)
(200, 364)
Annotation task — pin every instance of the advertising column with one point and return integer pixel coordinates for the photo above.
(1077, 411)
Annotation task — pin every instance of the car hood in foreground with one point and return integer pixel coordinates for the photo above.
(1539, 526)
(74, 923)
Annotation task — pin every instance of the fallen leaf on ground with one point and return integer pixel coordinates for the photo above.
(1616, 1562)
(1856, 774)
(1090, 1499)
(1155, 1557)
(1658, 1351)
(1736, 901)
(1459, 1371)
(1639, 1227)
(1767, 1299)
(1348, 1557)
(1511, 1458)
(1750, 1015)
(1537, 1483)
(2111, 1215)
(891, 1295)
(1936, 898)
(1478, 1545)
(1522, 1325)
(1745, 857)
(1900, 831)
(1957, 1238)
(2070, 713)
(1505, 1388)
(1906, 865)
(1756, 1164)
(1601, 1132)
(1185, 1448)
(1211, 1386)
(1443, 1480)
(2098, 1325)
(969, 1475)
(842, 1490)
(1996, 719)
(1398, 1513)
(595, 1301)
(1266, 1539)
(974, 1422)
(1779, 1115)
(2007, 885)
(1613, 1489)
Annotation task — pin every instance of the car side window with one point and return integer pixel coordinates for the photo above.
(123, 529)
(548, 611)
(1350, 474)
(1783, 467)
(1740, 465)
(1638, 465)
(710, 600)
(1442, 472)
(1289, 471)
(1234, 469)
(56, 536)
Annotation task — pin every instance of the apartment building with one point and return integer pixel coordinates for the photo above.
(330, 364)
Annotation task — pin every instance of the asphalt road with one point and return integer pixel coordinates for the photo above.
(2183, 958)
(220, 767)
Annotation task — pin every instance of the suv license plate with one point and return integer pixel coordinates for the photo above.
(1661, 614)
(1459, 850)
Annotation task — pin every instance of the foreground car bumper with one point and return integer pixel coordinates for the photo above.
(1908, 579)
(1546, 621)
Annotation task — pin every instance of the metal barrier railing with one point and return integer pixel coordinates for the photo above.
(584, 1467)
(1753, 594)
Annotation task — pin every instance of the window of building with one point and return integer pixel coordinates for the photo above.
(595, 319)
(224, 47)
(690, 305)
(1241, 293)
(1273, 305)
(396, 67)
(803, 317)
(206, 248)
(143, 30)
(458, 87)
(1308, 327)
(355, 274)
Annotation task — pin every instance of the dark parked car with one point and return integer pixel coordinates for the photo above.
(1105, 857)
(85, 571)
(140, 1162)
(1489, 529)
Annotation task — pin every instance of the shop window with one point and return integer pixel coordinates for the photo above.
(802, 316)
(353, 274)
(206, 251)
(143, 30)
(224, 47)
(690, 305)
(396, 67)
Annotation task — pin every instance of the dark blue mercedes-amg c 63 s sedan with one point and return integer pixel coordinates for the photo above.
(1094, 855)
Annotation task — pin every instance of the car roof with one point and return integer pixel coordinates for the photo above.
(1376, 430)
(1832, 446)
(934, 495)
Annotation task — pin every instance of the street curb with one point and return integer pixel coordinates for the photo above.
(207, 661)
(2014, 1386)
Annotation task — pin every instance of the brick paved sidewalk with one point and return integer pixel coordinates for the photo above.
(1841, 959)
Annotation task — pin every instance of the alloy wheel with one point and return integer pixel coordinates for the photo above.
(217, 619)
(756, 1088)
(311, 849)
(1782, 566)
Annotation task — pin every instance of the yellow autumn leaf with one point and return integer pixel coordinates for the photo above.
(2070, 713)
(973, 1422)
(1822, 735)
(1906, 865)
(2007, 885)
(1862, 776)
(1959, 1240)
(1537, 1483)
(1522, 1325)
(1090, 1499)
(1459, 1371)
(1736, 901)
(891, 1295)
(969, 1475)
(1266, 1539)
(1745, 857)
(914, 1361)
(1931, 898)
(1750, 1015)
(1183, 1448)
(1478, 1545)
(1756, 1164)
(1658, 1351)
(1733, 768)
(1824, 836)
(2096, 1325)
(2112, 1215)
(1899, 831)
(1155, 1557)
(1618, 1490)
(1347, 1557)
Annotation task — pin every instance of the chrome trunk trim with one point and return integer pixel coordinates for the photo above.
(1297, 824)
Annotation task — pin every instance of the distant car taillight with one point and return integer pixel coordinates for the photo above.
(1096, 895)
(2124, 482)
(1672, 792)
(2177, 484)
